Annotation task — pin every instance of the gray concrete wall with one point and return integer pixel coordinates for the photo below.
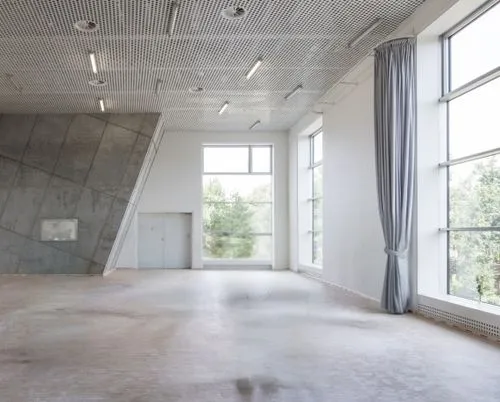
(67, 166)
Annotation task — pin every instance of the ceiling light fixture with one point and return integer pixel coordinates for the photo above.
(196, 89)
(224, 107)
(97, 83)
(364, 34)
(157, 86)
(294, 92)
(101, 104)
(172, 18)
(254, 124)
(254, 68)
(86, 26)
(234, 13)
(93, 62)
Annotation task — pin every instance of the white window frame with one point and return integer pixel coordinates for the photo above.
(448, 95)
(313, 199)
(249, 147)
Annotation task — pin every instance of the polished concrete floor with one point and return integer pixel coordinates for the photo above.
(225, 336)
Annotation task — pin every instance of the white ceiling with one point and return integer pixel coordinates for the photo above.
(301, 42)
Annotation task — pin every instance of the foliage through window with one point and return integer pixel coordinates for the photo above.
(472, 89)
(237, 202)
(316, 144)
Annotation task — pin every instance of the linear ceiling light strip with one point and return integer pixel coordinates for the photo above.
(254, 68)
(294, 92)
(224, 107)
(254, 125)
(365, 33)
(93, 62)
(172, 18)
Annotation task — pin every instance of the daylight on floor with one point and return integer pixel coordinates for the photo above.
(255, 200)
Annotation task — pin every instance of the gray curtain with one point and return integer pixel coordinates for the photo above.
(395, 121)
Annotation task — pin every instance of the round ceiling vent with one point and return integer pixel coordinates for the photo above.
(86, 26)
(97, 83)
(196, 89)
(234, 13)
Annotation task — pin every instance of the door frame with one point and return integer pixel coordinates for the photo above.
(166, 213)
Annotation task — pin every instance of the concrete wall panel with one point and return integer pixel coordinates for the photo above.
(46, 141)
(8, 170)
(82, 141)
(110, 230)
(134, 166)
(24, 200)
(39, 258)
(111, 159)
(73, 167)
(11, 247)
(16, 130)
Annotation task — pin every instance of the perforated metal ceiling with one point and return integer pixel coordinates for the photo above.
(301, 42)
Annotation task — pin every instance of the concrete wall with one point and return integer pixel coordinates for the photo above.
(175, 185)
(67, 166)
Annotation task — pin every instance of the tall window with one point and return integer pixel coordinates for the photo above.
(472, 95)
(316, 165)
(238, 203)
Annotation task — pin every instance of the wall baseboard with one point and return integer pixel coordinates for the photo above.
(372, 302)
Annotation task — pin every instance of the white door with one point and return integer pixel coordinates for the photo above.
(151, 240)
(177, 241)
(165, 240)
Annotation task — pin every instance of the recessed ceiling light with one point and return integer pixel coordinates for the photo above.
(294, 92)
(196, 89)
(224, 107)
(254, 68)
(234, 13)
(86, 26)
(98, 83)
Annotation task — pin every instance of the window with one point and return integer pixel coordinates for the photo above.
(316, 166)
(238, 203)
(472, 92)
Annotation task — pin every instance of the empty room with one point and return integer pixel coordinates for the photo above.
(255, 200)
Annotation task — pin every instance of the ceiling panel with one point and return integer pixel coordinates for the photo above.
(45, 65)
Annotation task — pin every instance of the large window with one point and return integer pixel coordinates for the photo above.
(316, 165)
(238, 203)
(472, 95)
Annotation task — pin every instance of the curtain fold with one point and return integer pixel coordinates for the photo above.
(395, 123)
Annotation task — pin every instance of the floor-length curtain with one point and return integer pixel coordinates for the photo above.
(395, 121)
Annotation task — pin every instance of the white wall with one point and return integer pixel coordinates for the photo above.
(175, 185)
(353, 249)
(353, 243)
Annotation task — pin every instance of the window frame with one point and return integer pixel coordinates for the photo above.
(447, 96)
(313, 199)
(250, 172)
(250, 161)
